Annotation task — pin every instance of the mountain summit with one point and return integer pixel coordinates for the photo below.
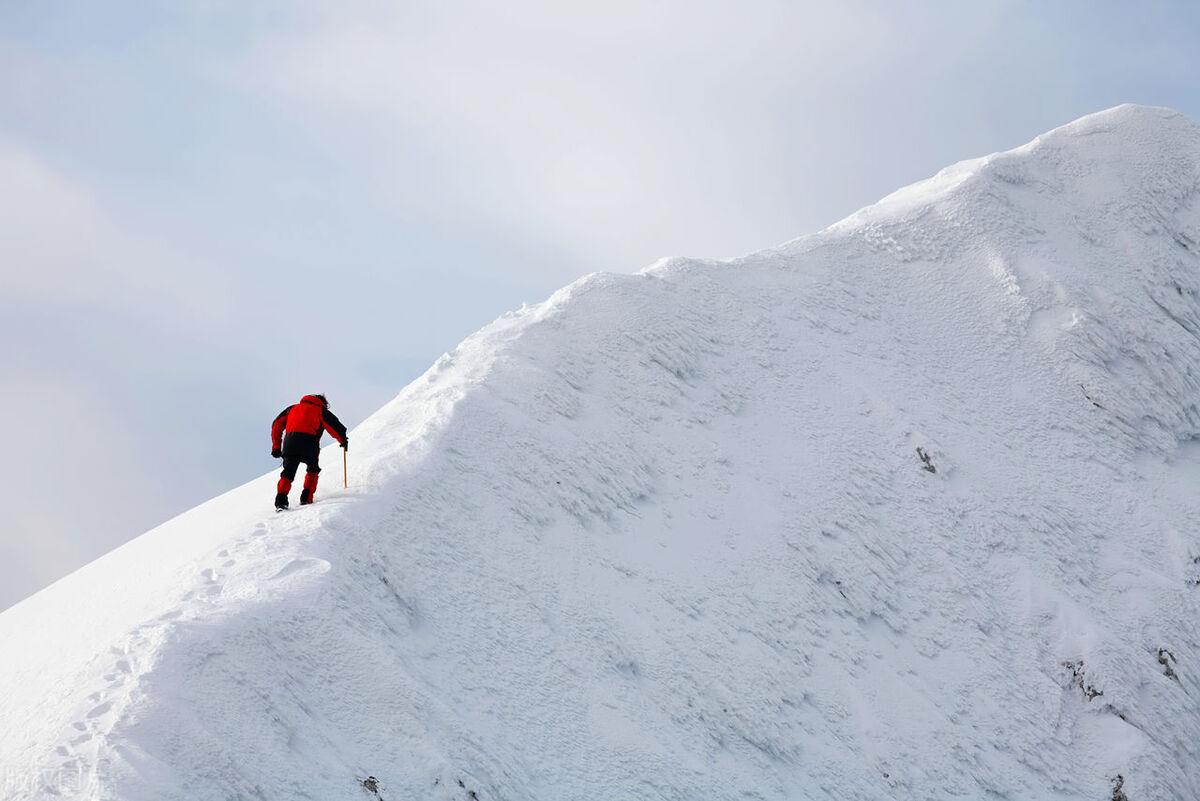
(904, 509)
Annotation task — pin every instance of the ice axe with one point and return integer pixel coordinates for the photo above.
(345, 482)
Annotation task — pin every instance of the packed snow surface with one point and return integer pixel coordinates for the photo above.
(906, 509)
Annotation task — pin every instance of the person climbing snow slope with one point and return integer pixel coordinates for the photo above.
(303, 422)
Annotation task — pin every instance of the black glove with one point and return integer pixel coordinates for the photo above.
(346, 444)
(276, 453)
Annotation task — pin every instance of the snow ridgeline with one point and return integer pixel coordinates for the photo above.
(905, 509)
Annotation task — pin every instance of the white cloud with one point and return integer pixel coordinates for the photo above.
(66, 443)
(92, 315)
(620, 130)
(61, 248)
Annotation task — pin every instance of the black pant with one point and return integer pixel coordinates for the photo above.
(299, 448)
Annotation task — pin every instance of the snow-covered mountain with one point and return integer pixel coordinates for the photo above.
(905, 509)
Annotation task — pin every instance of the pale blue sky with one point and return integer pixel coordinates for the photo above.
(210, 208)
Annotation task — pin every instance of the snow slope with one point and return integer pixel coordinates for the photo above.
(677, 535)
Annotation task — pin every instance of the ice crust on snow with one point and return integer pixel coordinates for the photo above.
(669, 535)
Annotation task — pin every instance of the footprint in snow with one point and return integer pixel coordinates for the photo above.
(301, 565)
(99, 710)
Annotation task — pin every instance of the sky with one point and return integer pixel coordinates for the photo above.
(210, 208)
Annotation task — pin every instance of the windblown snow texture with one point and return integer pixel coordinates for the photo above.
(906, 509)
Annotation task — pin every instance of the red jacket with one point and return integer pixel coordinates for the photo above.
(310, 416)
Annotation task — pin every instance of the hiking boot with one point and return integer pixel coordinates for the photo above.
(281, 501)
(305, 498)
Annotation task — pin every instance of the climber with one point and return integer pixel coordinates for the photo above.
(304, 423)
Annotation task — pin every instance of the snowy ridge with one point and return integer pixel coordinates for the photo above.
(902, 509)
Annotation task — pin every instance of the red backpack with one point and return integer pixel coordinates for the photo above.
(307, 416)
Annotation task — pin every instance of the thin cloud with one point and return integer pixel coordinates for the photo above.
(60, 248)
(625, 132)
